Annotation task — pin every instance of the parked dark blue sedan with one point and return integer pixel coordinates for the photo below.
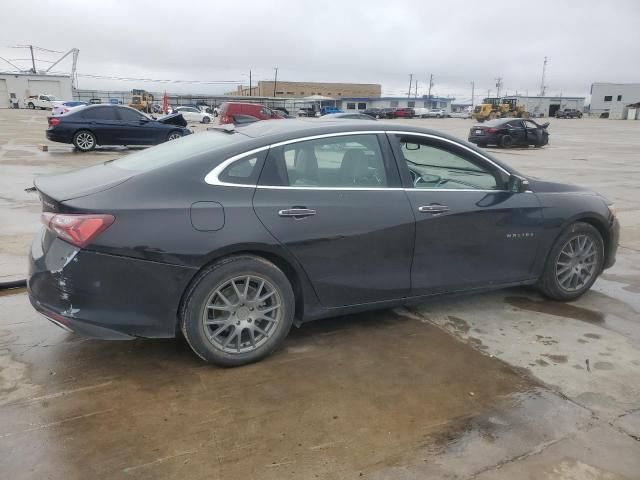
(113, 125)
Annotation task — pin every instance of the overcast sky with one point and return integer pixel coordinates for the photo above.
(335, 41)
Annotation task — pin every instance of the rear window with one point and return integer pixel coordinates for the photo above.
(176, 151)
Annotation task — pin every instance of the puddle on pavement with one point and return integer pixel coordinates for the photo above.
(558, 309)
(344, 396)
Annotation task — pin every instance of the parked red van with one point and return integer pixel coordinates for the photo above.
(230, 109)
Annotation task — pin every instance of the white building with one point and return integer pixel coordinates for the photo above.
(548, 106)
(21, 85)
(355, 104)
(612, 98)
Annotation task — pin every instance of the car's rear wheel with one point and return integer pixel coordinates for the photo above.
(574, 263)
(238, 311)
(206, 120)
(32, 106)
(84, 140)
(506, 141)
(174, 136)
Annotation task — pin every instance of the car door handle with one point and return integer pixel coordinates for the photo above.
(297, 212)
(434, 209)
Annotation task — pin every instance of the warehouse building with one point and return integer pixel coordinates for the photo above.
(269, 88)
(14, 87)
(362, 103)
(548, 106)
(613, 98)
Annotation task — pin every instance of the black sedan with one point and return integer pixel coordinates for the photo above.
(113, 125)
(233, 236)
(510, 132)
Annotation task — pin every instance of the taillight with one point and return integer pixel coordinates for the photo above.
(54, 121)
(77, 229)
(66, 110)
(491, 130)
(226, 119)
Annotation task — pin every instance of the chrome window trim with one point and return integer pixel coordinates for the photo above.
(212, 177)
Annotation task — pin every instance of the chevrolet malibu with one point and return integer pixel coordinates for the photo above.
(233, 236)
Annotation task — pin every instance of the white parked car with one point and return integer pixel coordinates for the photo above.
(42, 102)
(192, 114)
(420, 112)
(438, 113)
(60, 108)
(464, 114)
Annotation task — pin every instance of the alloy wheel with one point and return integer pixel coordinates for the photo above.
(576, 263)
(174, 136)
(84, 141)
(242, 313)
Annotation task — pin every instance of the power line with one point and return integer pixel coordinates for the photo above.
(159, 80)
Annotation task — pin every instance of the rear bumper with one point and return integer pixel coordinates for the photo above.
(54, 136)
(483, 139)
(104, 296)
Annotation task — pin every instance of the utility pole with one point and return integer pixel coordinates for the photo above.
(498, 86)
(430, 85)
(33, 60)
(473, 92)
(489, 93)
(250, 82)
(416, 95)
(275, 81)
(410, 85)
(543, 87)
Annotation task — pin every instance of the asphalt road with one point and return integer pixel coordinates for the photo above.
(499, 385)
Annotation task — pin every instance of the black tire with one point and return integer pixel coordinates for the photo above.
(31, 106)
(549, 285)
(213, 278)
(206, 120)
(84, 140)
(174, 135)
(506, 141)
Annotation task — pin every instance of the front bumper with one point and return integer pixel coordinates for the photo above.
(612, 244)
(104, 296)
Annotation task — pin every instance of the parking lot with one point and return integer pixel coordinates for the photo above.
(497, 385)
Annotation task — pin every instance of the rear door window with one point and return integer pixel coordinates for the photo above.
(350, 161)
(100, 113)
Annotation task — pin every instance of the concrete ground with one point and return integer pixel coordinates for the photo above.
(499, 385)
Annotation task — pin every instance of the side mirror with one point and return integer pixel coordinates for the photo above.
(518, 184)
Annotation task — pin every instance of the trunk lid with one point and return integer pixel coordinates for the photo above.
(54, 189)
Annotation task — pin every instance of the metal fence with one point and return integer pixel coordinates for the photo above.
(124, 97)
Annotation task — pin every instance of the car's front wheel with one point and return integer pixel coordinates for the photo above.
(238, 311)
(206, 119)
(32, 106)
(574, 263)
(84, 140)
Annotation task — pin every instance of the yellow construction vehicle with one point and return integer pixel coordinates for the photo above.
(141, 100)
(495, 107)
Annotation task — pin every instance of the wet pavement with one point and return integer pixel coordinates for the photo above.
(499, 385)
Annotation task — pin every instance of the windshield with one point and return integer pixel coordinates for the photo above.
(176, 151)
